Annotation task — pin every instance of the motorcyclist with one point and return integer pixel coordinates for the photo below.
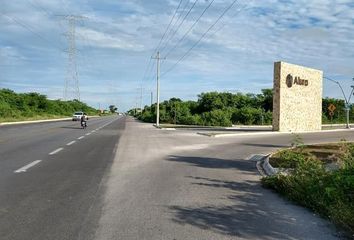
(83, 120)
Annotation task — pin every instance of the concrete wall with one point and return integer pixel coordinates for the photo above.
(297, 101)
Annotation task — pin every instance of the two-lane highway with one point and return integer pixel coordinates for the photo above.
(123, 179)
(51, 175)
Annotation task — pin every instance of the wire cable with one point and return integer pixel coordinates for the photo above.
(30, 30)
(163, 36)
(177, 21)
(179, 26)
(168, 27)
(149, 67)
(190, 29)
(201, 38)
(235, 14)
(35, 5)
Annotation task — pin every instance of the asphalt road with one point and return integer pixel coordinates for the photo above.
(129, 180)
(54, 198)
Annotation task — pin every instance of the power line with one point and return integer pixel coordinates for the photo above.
(35, 5)
(193, 25)
(223, 25)
(177, 20)
(163, 36)
(29, 29)
(64, 6)
(179, 26)
(40, 8)
(149, 67)
(173, 17)
(201, 38)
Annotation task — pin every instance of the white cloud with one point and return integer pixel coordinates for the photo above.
(117, 39)
(100, 39)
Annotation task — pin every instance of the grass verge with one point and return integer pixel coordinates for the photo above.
(329, 193)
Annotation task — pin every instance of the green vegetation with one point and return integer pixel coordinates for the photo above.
(314, 182)
(214, 109)
(225, 109)
(339, 114)
(33, 106)
(113, 108)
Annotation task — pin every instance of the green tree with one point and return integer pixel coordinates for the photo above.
(113, 108)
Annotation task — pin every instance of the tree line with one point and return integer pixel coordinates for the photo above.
(226, 109)
(16, 106)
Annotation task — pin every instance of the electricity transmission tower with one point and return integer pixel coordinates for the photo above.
(72, 88)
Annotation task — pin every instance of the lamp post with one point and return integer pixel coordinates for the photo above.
(347, 100)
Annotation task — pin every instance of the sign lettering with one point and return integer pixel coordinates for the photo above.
(290, 81)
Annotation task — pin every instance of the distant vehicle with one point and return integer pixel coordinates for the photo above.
(77, 116)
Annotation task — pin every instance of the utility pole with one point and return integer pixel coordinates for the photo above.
(72, 79)
(175, 113)
(151, 97)
(141, 98)
(136, 106)
(157, 88)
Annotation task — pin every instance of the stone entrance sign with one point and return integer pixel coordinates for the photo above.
(297, 100)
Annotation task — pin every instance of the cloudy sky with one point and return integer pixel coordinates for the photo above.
(210, 45)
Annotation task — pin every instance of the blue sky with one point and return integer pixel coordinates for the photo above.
(116, 40)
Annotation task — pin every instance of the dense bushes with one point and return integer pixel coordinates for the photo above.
(328, 193)
(214, 109)
(225, 109)
(15, 106)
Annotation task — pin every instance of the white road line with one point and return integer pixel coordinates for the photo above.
(24, 168)
(99, 128)
(87, 134)
(56, 151)
(70, 143)
(81, 137)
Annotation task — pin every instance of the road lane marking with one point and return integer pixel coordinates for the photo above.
(70, 143)
(81, 137)
(25, 168)
(56, 151)
(87, 134)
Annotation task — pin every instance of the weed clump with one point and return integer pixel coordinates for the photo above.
(328, 193)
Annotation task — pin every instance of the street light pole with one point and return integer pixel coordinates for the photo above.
(347, 100)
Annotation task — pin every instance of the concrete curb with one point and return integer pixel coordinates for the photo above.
(210, 134)
(264, 167)
(164, 128)
(41, 121)
(35, 121)
(216, 135)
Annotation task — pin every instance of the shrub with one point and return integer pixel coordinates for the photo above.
(330, 194)
(15, 106)
(217, 118)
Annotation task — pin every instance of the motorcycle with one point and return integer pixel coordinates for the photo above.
(83, 124)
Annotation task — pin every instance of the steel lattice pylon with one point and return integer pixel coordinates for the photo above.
(72, 88)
